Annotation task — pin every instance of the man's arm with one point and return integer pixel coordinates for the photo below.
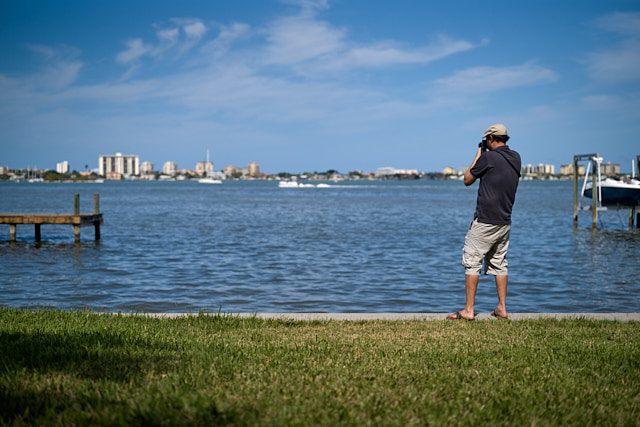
(468, 178)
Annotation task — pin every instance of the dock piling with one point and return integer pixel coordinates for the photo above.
(96, 210)
(594, 197)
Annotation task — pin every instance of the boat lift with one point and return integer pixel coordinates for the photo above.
(595, 200)
(594, 161)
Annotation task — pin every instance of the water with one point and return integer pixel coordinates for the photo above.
(355, 247)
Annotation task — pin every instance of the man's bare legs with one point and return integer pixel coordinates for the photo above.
(501, 288)
(470, 285)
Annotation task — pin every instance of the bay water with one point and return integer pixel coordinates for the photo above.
(249, 246)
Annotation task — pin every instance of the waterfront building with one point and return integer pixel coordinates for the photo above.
(568, 169)
(385, 171)
(170, 168)
(537, 171)
(606, 169)
(122, 165)
(146, 168)
(229, 170)
(62, 167)
(254, 169)
(449, 171)
(610, 169)
(203, 168)
(546, 169)
(4, 169)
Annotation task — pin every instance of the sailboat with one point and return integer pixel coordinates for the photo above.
(32, 175)
(209, 178)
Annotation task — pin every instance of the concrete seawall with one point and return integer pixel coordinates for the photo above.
(621, 317)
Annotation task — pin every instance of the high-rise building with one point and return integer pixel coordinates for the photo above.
(62, 167)
(146, 168)
(119, 164)
(229, 171)
(569, 169)
(254, 169)
(609, 169)
(202, 168)
(170, 168)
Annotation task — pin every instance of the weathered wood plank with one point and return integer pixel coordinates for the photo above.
(84, 219)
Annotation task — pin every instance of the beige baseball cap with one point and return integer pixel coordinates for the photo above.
(496, 129)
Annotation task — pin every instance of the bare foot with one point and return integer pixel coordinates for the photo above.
(499, 314)
(458, 315)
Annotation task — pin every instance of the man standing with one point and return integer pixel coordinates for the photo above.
(488, 237)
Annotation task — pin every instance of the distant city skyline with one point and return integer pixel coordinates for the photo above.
(305, 85)
(204, 166)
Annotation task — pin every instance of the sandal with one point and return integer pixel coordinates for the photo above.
(458, 316)
(494, 313)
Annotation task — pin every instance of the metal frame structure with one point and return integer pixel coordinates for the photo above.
(595, 189)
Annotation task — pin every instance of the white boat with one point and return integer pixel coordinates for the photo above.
(288, 184)
(294, 184)
(211, 177)
(617, 193)
(209, 180)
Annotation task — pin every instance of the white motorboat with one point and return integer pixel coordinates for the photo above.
(616, 193)
(209, 180)
(294, 184)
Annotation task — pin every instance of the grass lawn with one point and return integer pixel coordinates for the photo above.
(71, 368)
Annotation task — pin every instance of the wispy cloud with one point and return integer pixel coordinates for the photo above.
(194, 30)
(389, 53)
(491, 79)
(61, 66)
(227, 35)
(135, 49)
(296, 39)
(180, 37)
(309, 45)
(619, 60)
(296, 69)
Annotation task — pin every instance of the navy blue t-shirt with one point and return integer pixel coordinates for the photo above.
(499, 173)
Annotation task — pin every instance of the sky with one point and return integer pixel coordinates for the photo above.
(313, 85)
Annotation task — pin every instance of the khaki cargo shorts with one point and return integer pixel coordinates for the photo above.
(488, 242)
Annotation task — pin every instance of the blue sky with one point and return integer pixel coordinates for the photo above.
(312, 85)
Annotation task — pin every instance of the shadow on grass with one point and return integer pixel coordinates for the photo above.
(91, 355)
(43, 373)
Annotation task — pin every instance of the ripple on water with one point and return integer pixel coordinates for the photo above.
(357, 247)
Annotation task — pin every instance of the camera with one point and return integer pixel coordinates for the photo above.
(483, 145)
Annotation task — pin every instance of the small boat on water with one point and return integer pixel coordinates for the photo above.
(617, 193)
(210, 177)
(209, 180)
(293, 184)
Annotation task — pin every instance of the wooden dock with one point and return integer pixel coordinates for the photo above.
(76, 219)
